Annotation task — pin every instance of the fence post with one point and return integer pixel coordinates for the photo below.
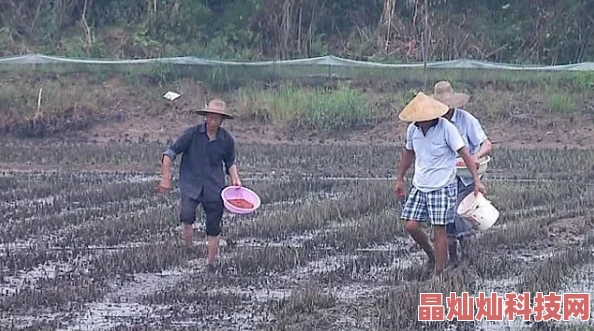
(425, 45)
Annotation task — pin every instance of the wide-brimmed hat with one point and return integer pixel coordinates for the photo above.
(216, 106)
(422, 108)
(443, 92)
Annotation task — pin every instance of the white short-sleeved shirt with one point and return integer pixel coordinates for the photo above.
(472, 133)
(435, 154)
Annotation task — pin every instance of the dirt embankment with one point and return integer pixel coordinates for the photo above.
(81, 107)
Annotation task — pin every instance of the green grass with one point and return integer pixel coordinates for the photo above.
(561, 103)
(22, 99)
(316, 108)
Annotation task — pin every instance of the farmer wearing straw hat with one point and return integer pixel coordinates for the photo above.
(478, 145)
(205, 148)
(433, 142)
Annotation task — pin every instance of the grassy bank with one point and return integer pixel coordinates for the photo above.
(46, 102)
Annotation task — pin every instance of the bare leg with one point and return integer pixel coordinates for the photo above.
(441, 248)
(452, 262)
(453, 248)
(213, 248)
(187, 234)
(421, 238)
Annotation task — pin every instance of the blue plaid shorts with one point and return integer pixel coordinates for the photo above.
(439, 206)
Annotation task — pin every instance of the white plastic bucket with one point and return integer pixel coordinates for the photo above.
(478, 211)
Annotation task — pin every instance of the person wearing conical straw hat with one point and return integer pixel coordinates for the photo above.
(206, 148)
(433, 143)
(478, 145)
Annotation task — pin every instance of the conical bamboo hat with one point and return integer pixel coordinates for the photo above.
(422, 108)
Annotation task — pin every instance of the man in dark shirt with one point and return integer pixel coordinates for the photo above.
(205, 149)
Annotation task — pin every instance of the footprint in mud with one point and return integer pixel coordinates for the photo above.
(567, 232)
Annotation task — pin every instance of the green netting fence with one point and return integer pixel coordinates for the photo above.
(326, 67)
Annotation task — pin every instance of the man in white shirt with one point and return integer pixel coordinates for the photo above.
(434, 144)
(478, 145)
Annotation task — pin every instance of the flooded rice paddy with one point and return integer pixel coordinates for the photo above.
(87, 244)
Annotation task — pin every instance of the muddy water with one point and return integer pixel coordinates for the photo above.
(122, 305)
(581, 282)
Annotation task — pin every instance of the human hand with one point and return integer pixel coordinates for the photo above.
(399, 188)
(479, 187)
(236, 182)
(164, 185)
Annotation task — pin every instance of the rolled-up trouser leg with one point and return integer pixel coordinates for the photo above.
(214, 214)
(187, 213)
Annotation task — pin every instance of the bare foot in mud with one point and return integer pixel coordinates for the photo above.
(428, 271)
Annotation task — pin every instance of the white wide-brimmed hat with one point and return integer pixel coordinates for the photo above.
(216, 106)
(422, 108)
(443, 92)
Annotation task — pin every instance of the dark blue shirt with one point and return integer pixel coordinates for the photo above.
(201, 172)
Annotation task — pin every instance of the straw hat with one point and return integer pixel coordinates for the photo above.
(216, 106)
(444, 92)
(422, 108)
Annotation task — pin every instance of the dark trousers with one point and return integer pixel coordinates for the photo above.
(213, 210)
(461, 227)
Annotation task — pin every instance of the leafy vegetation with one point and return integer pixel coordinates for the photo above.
(543, 31)
(43, 100)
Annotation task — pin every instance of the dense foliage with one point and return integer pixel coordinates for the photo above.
(538, 31)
